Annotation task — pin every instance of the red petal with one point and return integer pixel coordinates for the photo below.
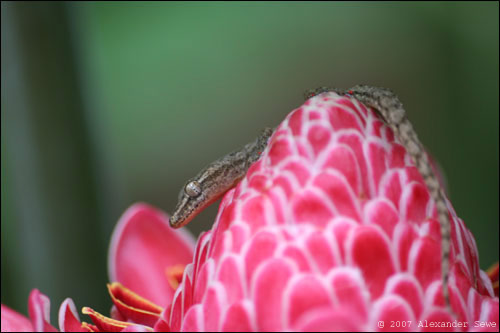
(319, 137)
(162, 324)
(313, 114)
(413, 175)
(258, 182)
(397, 156)
(239, 233)
(388, 133)
(89, 327)
(137, 328)
(355, 142)
(261, 248)
(187, 287)
(280, 149)
(342, 158)
(371, 252)
(489, 314)
(339, 193)
(237, 318)
(13, 321)
(328, 320)
(425, 264)
(69, 321)
(268, 286)
(391, 187)
(304, 294)
(226, 215)
(414, 202)
(200, 255)
(395, 313)
(406, 286)
(277, 199)
(142, 247)
(376, 157)
(404, 237)
(382, 213)
(457, 303)
(193, 320)
(295, 121)
(201, 280)
(212, 307)
(253, 212)
(296, 254)
(255, 170)
(341, 230)
(133, 307)
(299, 170)
(303, 150)
(358, 109)
(284, 182)
(320, 251)
(39, 310)
(350, 293)
(375, 128)
(463, 281)
(309, 208)
(177, 312)
(343, 118)
(104, 323)
(231, 277)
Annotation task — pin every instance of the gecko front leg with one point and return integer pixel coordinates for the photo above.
(390, 107)
(216, 179)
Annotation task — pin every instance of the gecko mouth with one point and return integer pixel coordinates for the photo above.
(186, 210)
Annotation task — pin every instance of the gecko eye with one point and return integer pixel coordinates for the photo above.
(193, 189)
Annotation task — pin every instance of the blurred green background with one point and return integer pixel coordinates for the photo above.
(107, 104)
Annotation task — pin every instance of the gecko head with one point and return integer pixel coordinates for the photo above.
(188, 205)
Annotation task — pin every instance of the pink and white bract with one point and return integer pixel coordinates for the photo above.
(332, 229)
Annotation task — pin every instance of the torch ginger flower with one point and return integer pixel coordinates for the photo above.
(331, 229)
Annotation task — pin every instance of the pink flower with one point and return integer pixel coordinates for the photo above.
(147, 260)
(146, 255)
(332, 229)
(14, 322)
(39, 311)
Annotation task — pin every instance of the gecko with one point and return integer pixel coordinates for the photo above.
(216, 179)
(223, 174)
